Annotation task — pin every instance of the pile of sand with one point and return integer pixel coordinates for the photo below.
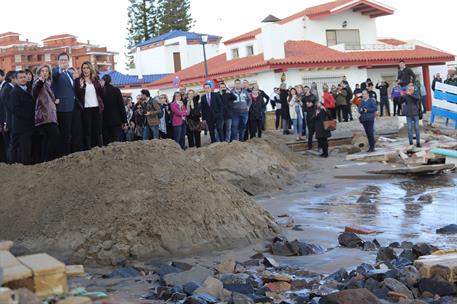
(257, 166)
(139, 200)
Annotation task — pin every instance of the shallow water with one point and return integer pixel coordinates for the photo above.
(391, 207)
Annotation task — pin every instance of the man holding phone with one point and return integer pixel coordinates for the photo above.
(227, 98)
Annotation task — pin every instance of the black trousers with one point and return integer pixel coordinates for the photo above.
(25, 147)
(37, 151)
(194, 139)
(50, 141)
(323, 144)
(70, 129)
(14, 148)
(397, 106)
(278, 119)
(213, 127)
(255, 127)
(341, 112)
(92, 126)
(3, 158)
(349, 111)
(111, 134)
(7, 146)
(311, 132)
(332, 113)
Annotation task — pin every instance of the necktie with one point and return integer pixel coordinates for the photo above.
(208, 97)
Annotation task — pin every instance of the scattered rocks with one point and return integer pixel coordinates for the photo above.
(283, 247)
(238, 298)
(197, 274)
(406, 245)
(398, 287)
(190, 287)
(408, 254)
(449, 229)
(214, 288)
(369, 246)
(437, 286)
(322, 290)
(350, 240)
(350, 296)
(246, 289)
(227, 266)
(270, 262)
(278, 287)
(409, 276)
(422, 249)
(386, 255)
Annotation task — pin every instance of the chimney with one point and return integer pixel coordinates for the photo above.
(272, 38)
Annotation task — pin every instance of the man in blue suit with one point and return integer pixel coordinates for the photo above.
(212, 113)
(69, 116)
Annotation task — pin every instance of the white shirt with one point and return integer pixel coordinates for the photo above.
(90, 99)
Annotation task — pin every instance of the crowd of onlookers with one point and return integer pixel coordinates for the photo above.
(57, 111)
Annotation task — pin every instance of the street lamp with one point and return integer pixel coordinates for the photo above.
(204, 42)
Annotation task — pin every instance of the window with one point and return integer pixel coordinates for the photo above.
(47, 57)
(235, 54)
(250, 50)
(17, 58)
(350, 38)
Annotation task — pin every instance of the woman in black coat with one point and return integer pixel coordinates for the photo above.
(194, 126)
(285, 113)
(255, 113)
(322, 135)
(114, 115)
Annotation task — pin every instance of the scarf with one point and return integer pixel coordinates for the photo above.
(190, 103)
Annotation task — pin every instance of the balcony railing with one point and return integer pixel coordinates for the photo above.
(377, 47)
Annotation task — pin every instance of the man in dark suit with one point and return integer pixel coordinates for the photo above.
(212, 113)
(69, 116)
(24, 117)
(114, 116)
(6, 119)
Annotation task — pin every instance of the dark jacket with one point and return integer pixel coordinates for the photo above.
(340, 98)
(411, 105)
(257, 106)
(320, 117)
(311, 117)
(373, 95)
(285, 112)
(81, 93)
(372, 108)
(152, 107)
(383, 89)
(6, 118)
(266, 99)
(307, 98)
(215, 111)
(227, 104)
(451, 81)
(195, 113)
(114, 114)
(23, 110)
(435, 80)
(63, 87)
(45, 107)
(406, 76)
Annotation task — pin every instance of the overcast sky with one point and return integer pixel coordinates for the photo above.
(105, 21)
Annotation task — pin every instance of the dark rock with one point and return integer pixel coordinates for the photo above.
(190, 287)
(207, 298)
(231, 278)
(299, 284)
(251, 263)
(283, 249)
(240, 288)
(402, 262)
(262, 299)
(449, 229)
(255, 281)
(394, 245)
(406, 245)
(426, 198)
(25, 296)
(397, 286)
(364, 269)
(381, 274)
(340, 276)
(445, 300)
(165, 293)
(377, 288)
(372, 190)
(176, 297)
(262, 291)
(195, 300)
(408, 254)
(364, 199)
(369, 246)
(151, 295)
(409, 276)
(181, 266)
(270, 262)
(124, 272)
(437, 286)
(355, 283)
(238, 298)
(298, 228)
(163, 268)
(257, 256)
(317, 186)
(422, 249)
(279, 239)
(306, 249)
(350, 296)
(386, 255)
(350, 240)
(377, 244)
(197, 274)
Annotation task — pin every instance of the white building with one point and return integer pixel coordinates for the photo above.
(172, 52)
(320, 44)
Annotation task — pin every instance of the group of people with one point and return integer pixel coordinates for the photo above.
(61, 110)
(57, 111)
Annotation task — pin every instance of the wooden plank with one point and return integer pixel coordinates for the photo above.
(425, 169)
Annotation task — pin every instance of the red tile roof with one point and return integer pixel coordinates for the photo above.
(391, 41)
(61, 36)
(9, 34)
(303, 54)
(318, 11)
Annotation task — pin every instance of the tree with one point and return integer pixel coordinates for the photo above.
(142, 24)
(174, 15)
